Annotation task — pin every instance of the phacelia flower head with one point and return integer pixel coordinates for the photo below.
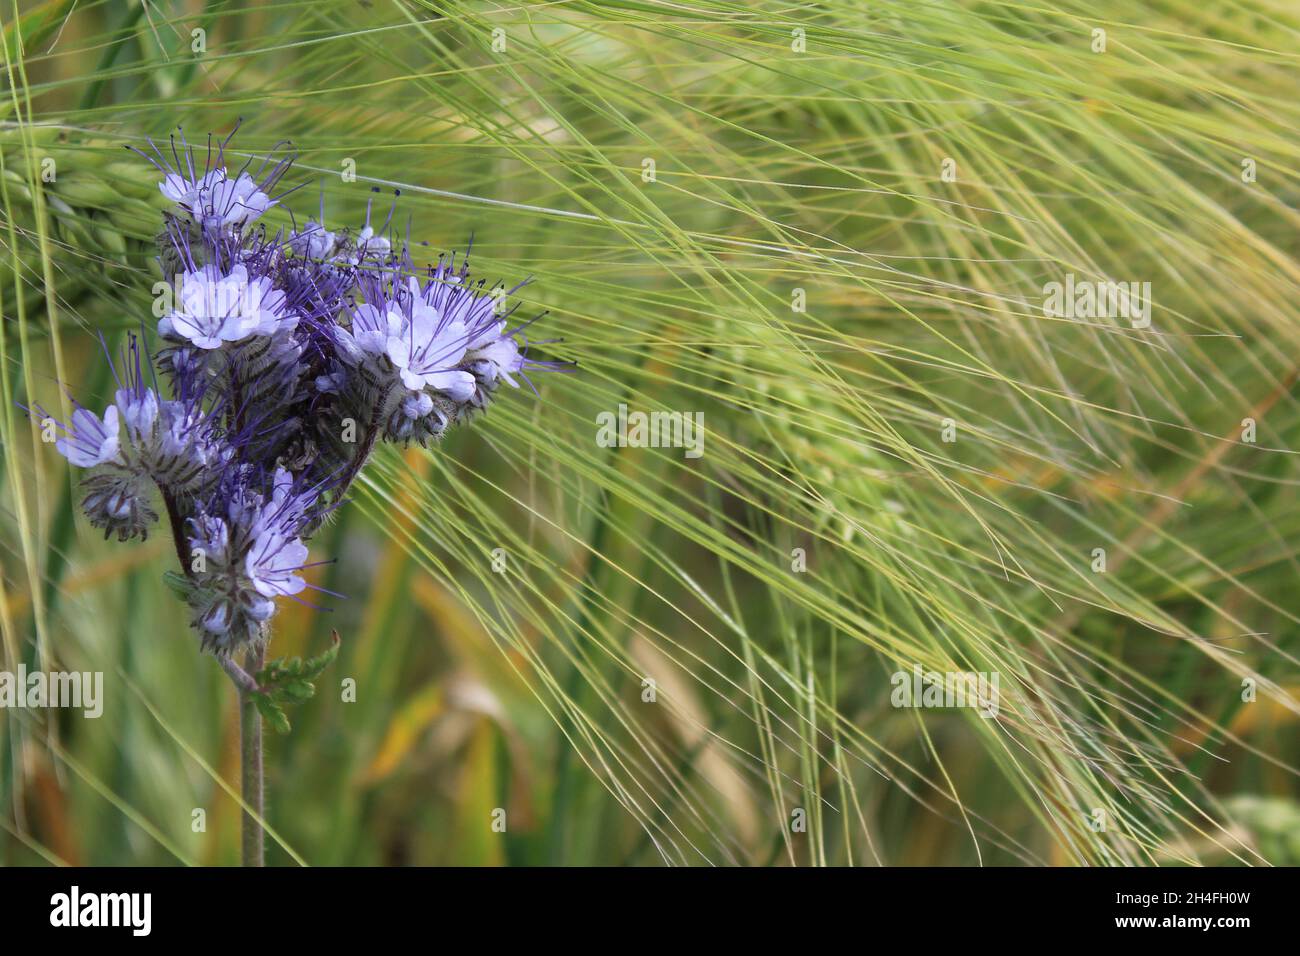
(288, 356)
(140, 441)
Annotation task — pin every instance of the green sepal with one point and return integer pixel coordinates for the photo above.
(180, 585)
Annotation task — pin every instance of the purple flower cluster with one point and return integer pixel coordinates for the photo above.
(286, 357)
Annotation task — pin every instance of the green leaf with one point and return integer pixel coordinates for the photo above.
(289, 681)
(298, 691)
(271, 712)
(313, 667)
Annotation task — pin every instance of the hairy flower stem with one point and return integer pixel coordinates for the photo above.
(244, 683)
(250, 762)
(178, 530)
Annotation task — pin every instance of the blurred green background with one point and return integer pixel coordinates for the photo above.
(739, 209)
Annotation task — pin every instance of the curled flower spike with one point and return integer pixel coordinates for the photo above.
(250, 549)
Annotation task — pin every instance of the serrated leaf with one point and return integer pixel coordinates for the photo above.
(272, 713)
(313, 667)
(298, 690)
(289, 681)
